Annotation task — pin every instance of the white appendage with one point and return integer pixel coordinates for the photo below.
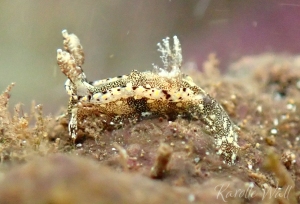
(73, 124)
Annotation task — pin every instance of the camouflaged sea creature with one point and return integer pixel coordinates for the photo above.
(164, 91)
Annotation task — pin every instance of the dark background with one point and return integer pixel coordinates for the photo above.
(121, 35)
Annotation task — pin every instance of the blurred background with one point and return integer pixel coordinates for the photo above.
(119, 36)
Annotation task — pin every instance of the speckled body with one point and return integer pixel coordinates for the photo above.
(165, 91)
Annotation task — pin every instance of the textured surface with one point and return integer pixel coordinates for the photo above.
(259, 93)
(165, 91)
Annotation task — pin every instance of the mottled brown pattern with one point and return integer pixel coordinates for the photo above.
(163, 92)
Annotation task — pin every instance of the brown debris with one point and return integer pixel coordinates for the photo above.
(270, 140)
(284, 179)
(123, 156)
(163, 157)
(18, 139)
(288, 158)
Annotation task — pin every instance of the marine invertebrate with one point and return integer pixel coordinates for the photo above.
(164, 91)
